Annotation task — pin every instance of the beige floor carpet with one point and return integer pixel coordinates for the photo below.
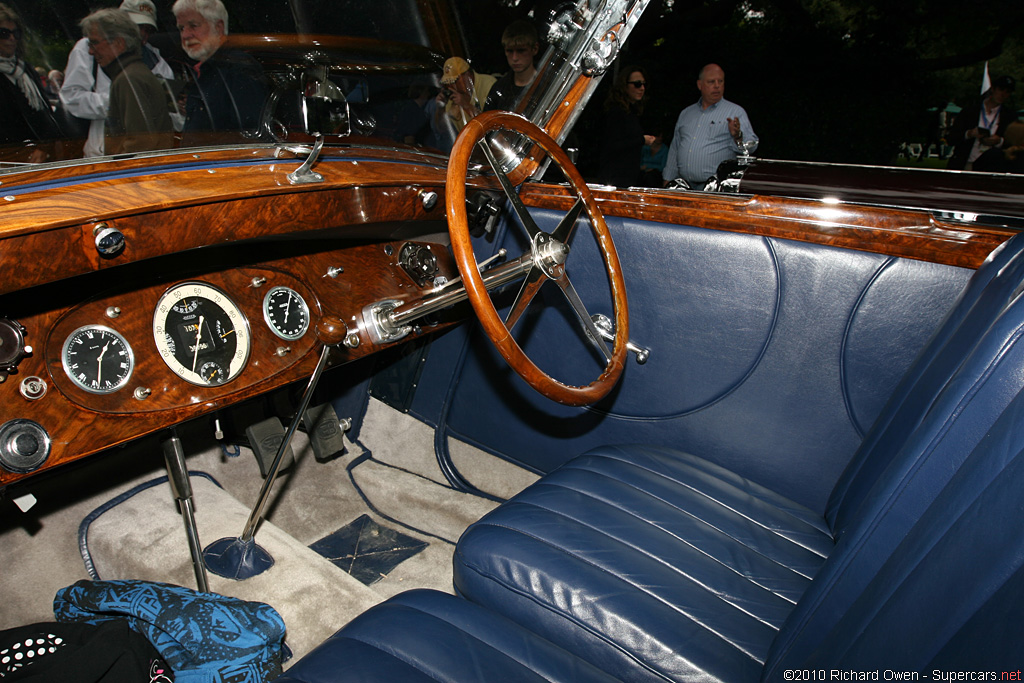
(399, 486)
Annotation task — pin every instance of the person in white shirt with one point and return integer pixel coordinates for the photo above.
(86, 89)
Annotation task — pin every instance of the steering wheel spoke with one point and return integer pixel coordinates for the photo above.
(549, 252)
(565, 228)
(525, 219)
(531, 285)
(581, 312)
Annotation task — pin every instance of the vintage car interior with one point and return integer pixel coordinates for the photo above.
(464, 417)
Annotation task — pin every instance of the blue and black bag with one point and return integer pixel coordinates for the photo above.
(204, 637)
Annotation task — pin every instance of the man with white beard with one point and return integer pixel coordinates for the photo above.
(226, 89)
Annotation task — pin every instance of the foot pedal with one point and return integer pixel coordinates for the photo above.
(265, 438)
(326, 435)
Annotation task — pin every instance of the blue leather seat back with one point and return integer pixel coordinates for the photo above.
(994, 287)
(948, 435)
(950, 596)
(729, 318)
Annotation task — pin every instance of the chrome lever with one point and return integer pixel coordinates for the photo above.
(305, 174)
(480, 266)
(607, 330)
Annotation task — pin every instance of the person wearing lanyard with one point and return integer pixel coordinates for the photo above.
(979, 129)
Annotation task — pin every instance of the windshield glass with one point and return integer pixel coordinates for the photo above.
(141, 77)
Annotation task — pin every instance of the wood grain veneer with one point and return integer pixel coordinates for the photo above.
(177, 210)
(81, 423)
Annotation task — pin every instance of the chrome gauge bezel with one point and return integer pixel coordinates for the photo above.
(272, 317)
(82, 377)
(204, 363)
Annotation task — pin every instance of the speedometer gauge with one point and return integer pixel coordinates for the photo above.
(97, 359)
(201, 334)
(286, 312)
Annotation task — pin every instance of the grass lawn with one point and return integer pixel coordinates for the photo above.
(927, 162)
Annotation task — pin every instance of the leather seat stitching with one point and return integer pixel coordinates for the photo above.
(612, 503)
(802, 522)
(616, 577)
(724, 506)
(711, 526)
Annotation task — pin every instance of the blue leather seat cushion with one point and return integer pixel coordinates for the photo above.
(657, 564)
(425, 635)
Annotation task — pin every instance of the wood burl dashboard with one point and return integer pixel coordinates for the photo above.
(124, 353)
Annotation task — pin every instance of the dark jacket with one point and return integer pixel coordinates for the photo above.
(965, 121)
(225, 93)
(139, 117)
(622, 144)
(19, 122)
(504, 94)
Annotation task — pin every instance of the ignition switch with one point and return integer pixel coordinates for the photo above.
(12, 346)
(419, 262)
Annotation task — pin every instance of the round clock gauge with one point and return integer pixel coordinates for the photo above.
(201, 334)
(97, 359)
(286, 312)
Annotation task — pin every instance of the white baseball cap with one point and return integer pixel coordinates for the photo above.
(142, 12)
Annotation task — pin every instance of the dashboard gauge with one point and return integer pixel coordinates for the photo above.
(286, 312)
(201, 334)
(97, 359)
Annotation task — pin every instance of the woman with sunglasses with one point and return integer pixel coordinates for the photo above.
(623, 137)
(26, 120)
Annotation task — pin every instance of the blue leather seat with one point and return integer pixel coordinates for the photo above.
(660, 566)
(652, 564)
(656, 564)
(425, 635)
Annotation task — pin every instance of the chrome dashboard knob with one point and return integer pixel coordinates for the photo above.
(24, 446)
(109, 241)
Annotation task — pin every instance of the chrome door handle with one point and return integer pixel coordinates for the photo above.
(604, 325)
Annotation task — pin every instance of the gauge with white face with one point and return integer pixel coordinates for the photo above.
(286, 312)
(201, 334)
(97, 359)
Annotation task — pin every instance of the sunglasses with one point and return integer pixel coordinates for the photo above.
(638, 84)
(6, 33)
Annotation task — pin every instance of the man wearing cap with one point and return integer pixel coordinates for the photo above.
(464, 93)
(86, 89)
(978, 131)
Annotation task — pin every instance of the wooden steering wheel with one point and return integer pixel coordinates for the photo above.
(549, 252)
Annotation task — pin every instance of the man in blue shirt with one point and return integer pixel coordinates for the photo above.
(707, 132)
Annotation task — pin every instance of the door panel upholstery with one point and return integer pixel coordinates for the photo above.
(741, 312)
